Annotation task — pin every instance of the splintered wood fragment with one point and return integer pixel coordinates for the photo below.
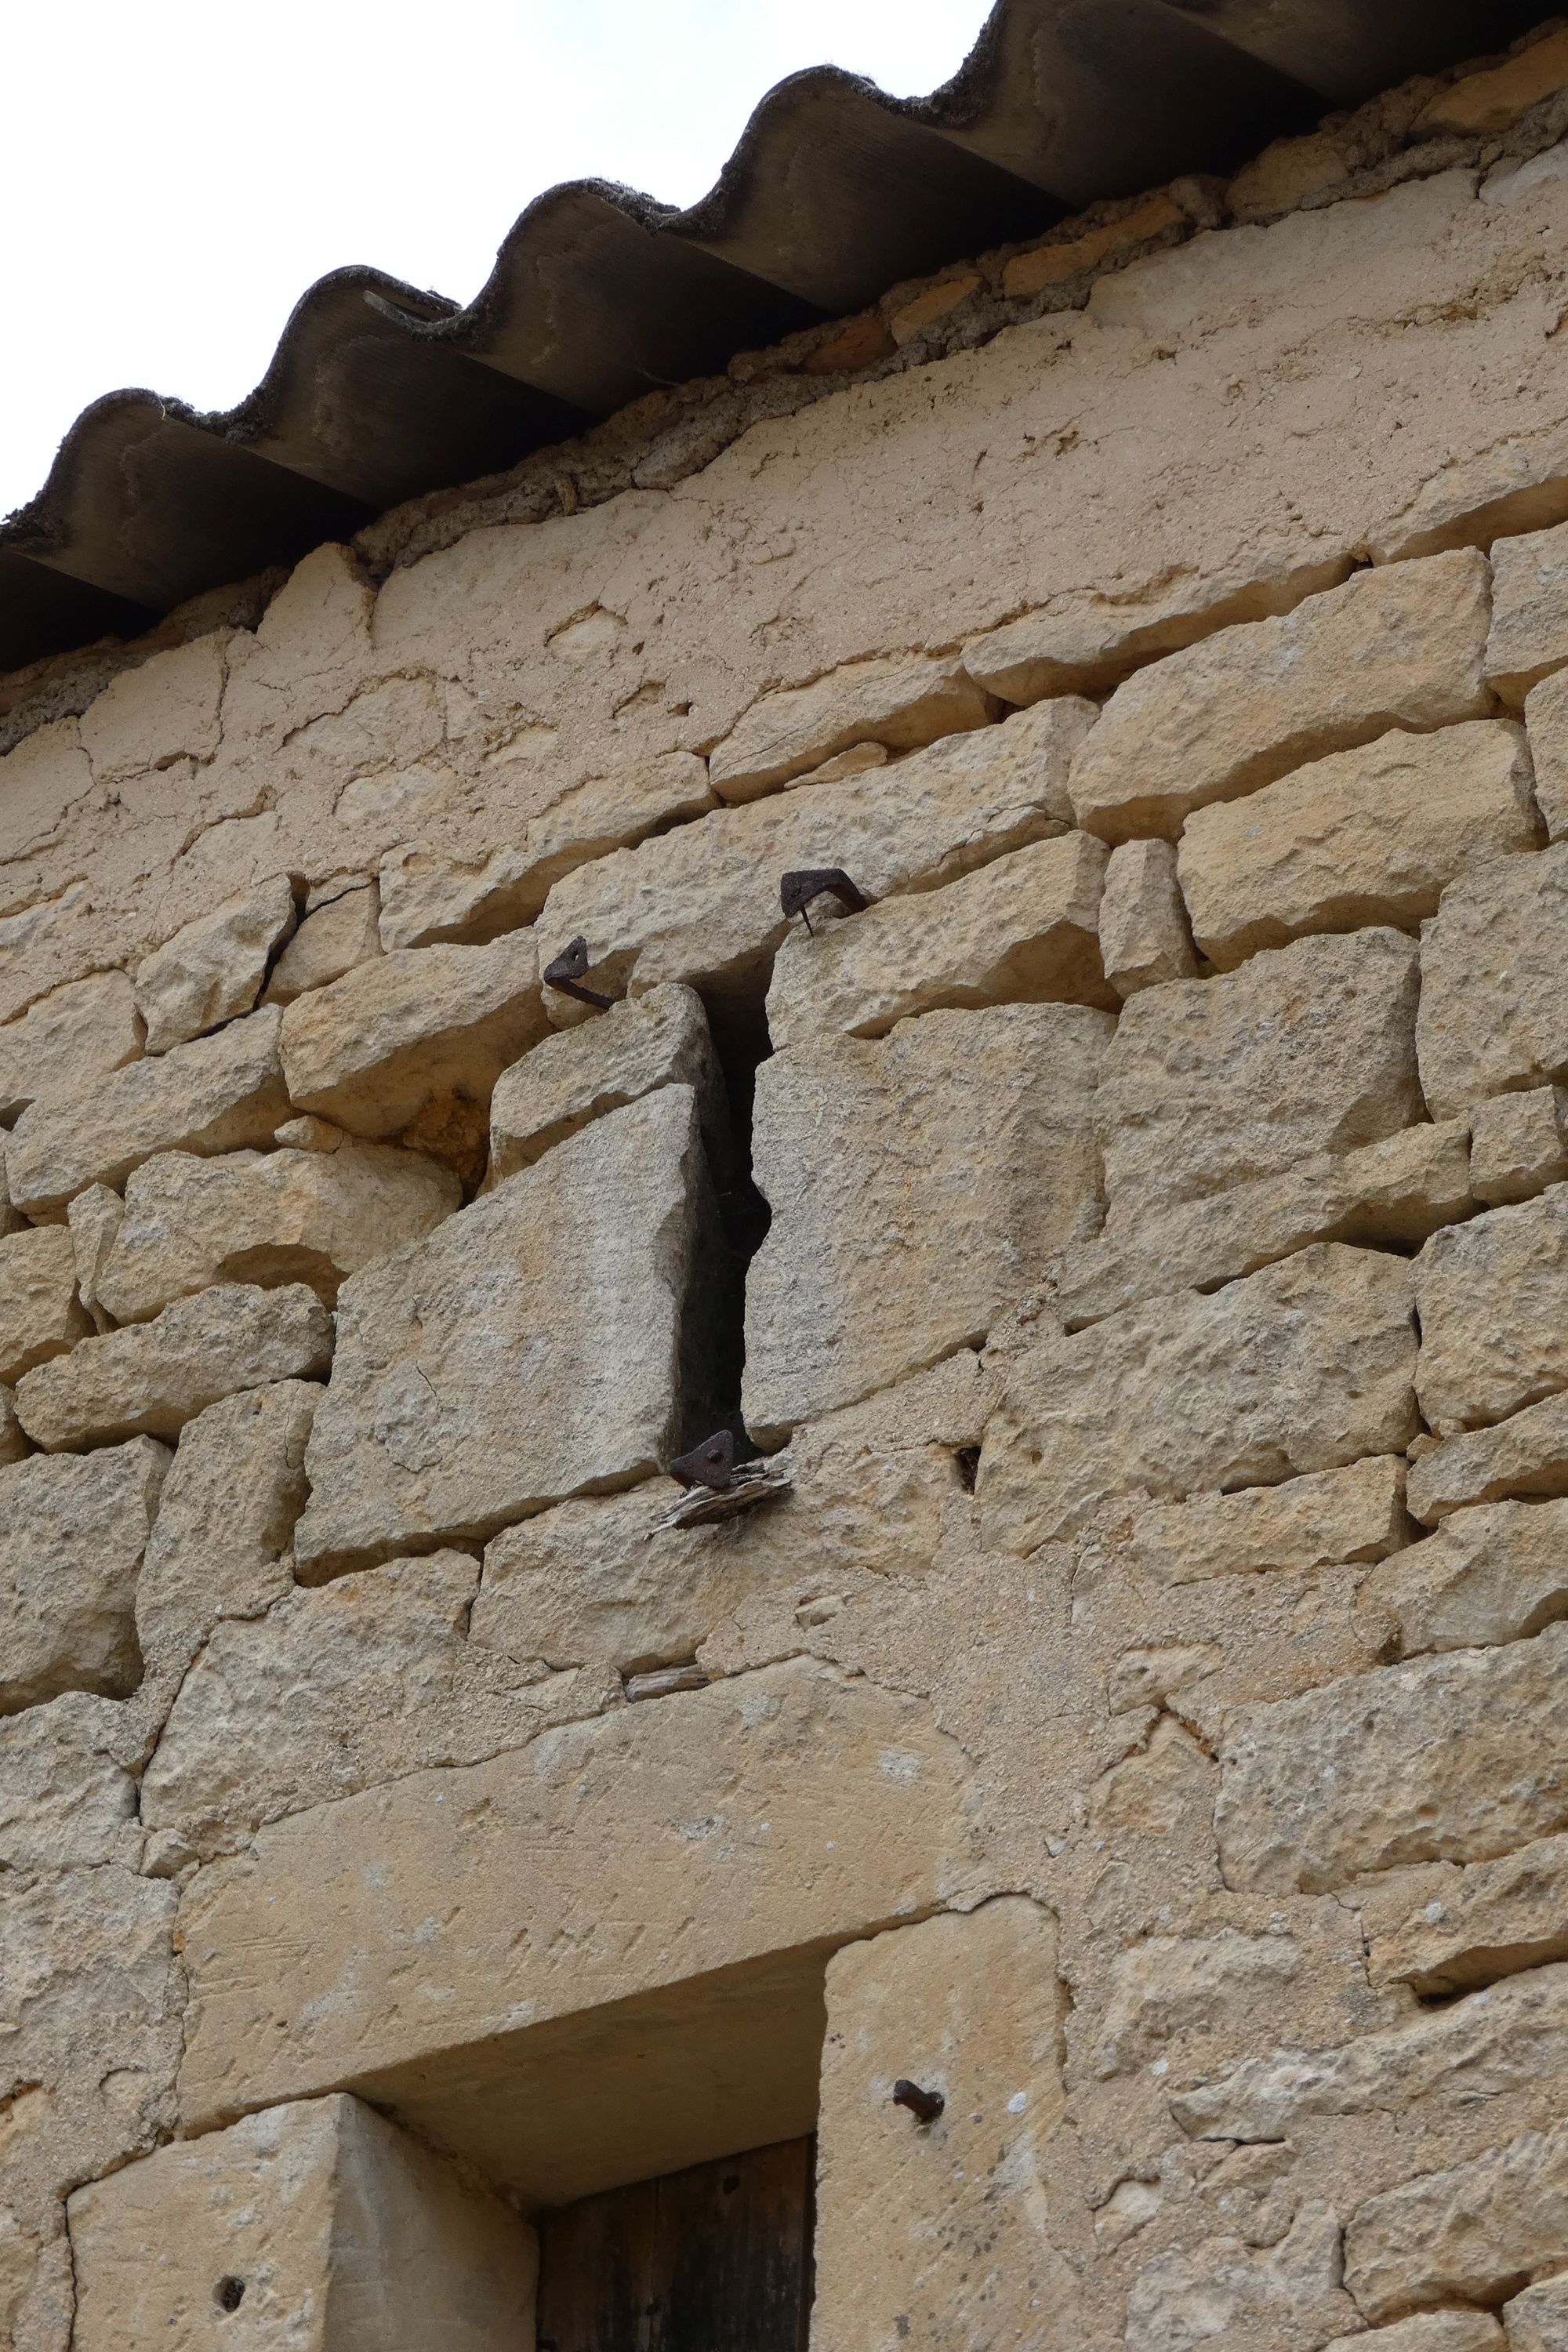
(750, 1484)
(660, 1680)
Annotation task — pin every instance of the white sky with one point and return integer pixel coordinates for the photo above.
(172, 178)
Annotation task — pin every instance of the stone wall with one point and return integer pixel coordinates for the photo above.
(1136, 1718)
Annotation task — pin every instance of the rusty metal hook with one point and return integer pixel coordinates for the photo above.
(926, 2106)
(809, 882)
(565, 974)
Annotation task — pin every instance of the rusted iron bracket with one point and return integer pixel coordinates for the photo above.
(711, 1464)
(797, 890)
(925, 2105)
(565, 974)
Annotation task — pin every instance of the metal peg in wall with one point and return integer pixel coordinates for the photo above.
(711, 1464)
(924, 2105)
(565, 974)
(797, 890)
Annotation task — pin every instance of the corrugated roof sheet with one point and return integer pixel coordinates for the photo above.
(377, 391)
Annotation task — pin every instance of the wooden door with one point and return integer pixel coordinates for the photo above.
(717, 2259)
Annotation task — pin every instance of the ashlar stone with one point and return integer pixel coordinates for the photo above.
(1144, 935)
(577, 1075)
(963, 2247)
(336, 934)
(66, 1801)
(1491, 1574)
(1482, 1923)
(1452, 1757)
(894, 1241)
(1518, 1145)
(1305, 1366)
(1465, 2234)
(1494, 983)
(72, 1537)
(1215, 1083)
(1526, 1454)
(1324, 1519)
(213, 970)
(1020, 931)
(1402, 645)
(553, 1338)
(374, 1049)
(899, 701)
(1529, 637)
(700, 904)
(217, 1094)
(1492, 1296)
(1372, 835)
(40, 1314)
(321, 2222)
(66, 1039)
(154, 1377)
(267, 1219)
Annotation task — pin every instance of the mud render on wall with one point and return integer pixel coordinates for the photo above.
(444, 1903)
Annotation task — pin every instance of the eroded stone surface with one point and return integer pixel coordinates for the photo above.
(1490, 1297)
(1517, 1144)
(1494, 982)
(1327, 1516)
(1145, 936)
(1459, 2235)
(40, 1314)
(576, 1075)
(901, 701)
(1471, 1926)
(1526, 1454)
(1528, 637)
(213, 968)
(1491, 1574)
(66, 1039)
(892, 1241)
(331, 938)
(66, 1801)
(72, 1537)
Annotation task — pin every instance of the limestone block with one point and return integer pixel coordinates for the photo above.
(217, 1094)
(66, 1801)
(93, 1219)
(426, 898)
(1305, 1366)
(1494, 983)
(962, 2247)
(320, 2225)
(156, 1376)
(268, 1218)
(900, 701)
(1022, 930)
(1316, 1521)
(13, 1441)
(40, 1314)
(1448, 1758)
(1428, 2331)
(437, 899)
(700, 904)
(1537, 2320)
(1465, 2235)
(1487, 1921)
(374, 1049)
(548, 1339)
(72, 1537)
(226, 1516)
(1399, 645)
(1372, 835)
(1491, 1297)
(334, 937)
(874, 1485)
(11, 1218)
(1490, 1574)
(1172, 1985)
(1529, 635)
(165, 709)
(660, 1873)
(1546, 718)
(894, 1239)
(577, 1075)
(1517, 1144)
(1212, 1083)
(309, 1134)
(1398, 1190)
(1527, 1454)
(213, 968)
(1144, 938)
(1227, 2289)
(68, 1038)
(1502, 2039)
(1495, 100)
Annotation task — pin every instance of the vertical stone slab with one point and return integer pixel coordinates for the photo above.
(940, 2234)
(315, 2225)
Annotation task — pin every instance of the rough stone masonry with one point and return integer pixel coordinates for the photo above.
(1138, 1711)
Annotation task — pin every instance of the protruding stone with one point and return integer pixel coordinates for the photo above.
(319, 2223)
(1492, 1296)
(40, 1314)
(1210, 1084)
(894, 1240)
(72, 1535)
(217, 1094)
(577, 1075)
(1306, 1366)
(1464, 2235)
(153, 1378)
(68, 1038)
(1517, 1144)
(1319, 1520)
(1528, 637)
(1399, 645)
(900, 701)
(338, 933)
(379, 1046)
(1537, 2320)
(1491, 1574)
(266, 1218)
(213, 970)
(1494, 983)
(1021, 930)
(1526, 1454)
(1367, 836)
(1144, 938)
(94, 1219)
(548, 1339)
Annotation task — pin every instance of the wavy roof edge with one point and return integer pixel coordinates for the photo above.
(378, 392)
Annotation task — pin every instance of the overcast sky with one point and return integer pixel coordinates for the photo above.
(173, 178)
